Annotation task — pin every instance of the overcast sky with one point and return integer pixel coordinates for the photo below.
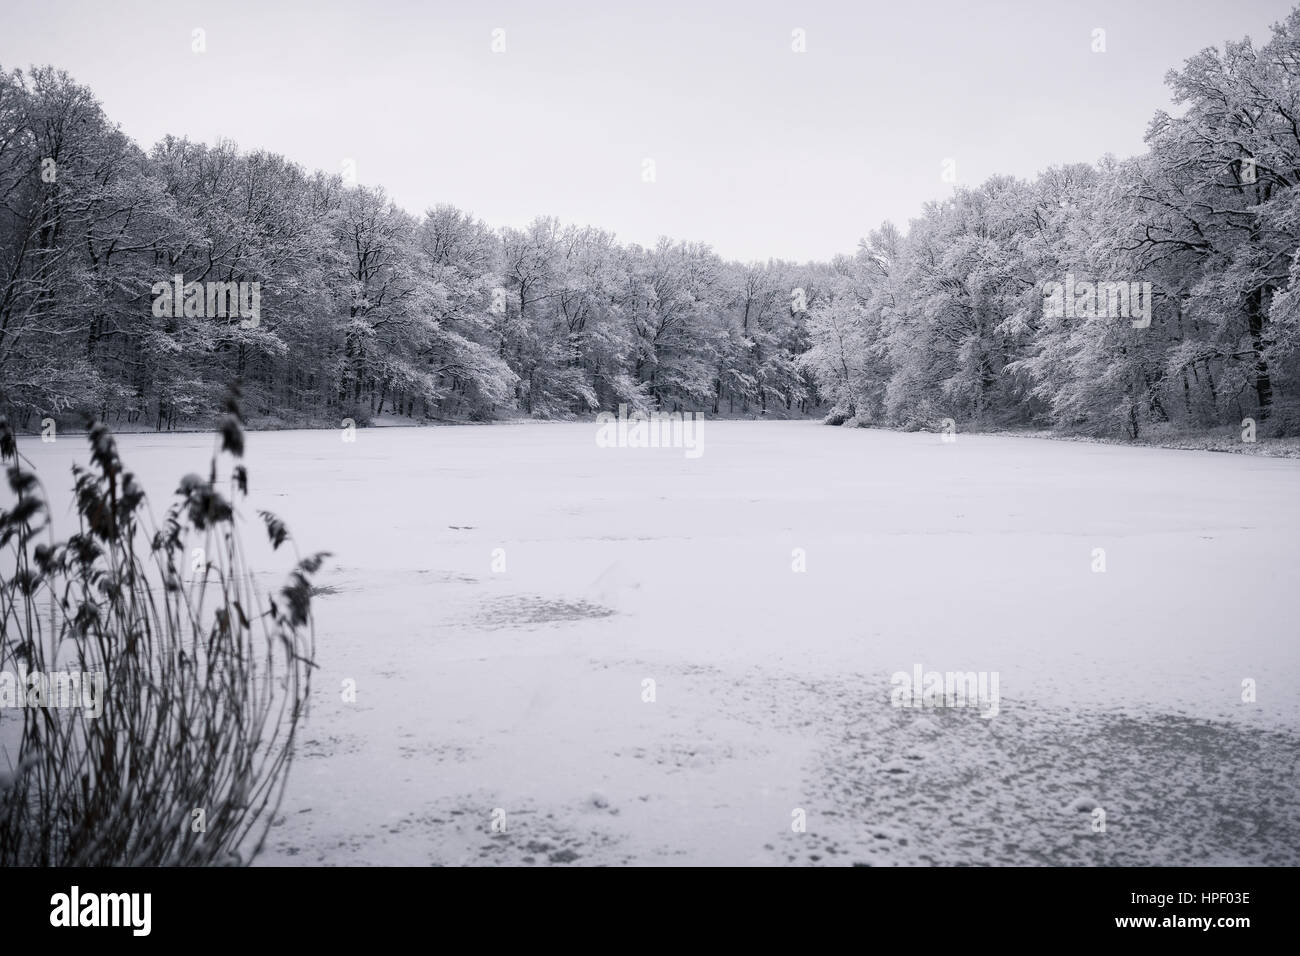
(758, 150)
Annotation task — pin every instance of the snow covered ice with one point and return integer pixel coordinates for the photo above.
(573, 654)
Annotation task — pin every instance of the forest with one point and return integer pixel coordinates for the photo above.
(365, 309)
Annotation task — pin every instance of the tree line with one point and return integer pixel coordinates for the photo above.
(363, 309)
(965, 317)
(1176, 269)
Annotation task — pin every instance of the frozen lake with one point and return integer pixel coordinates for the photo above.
(503, 593)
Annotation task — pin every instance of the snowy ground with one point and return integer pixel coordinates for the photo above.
(522, 689)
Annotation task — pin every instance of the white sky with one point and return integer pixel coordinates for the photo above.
(759, 151)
